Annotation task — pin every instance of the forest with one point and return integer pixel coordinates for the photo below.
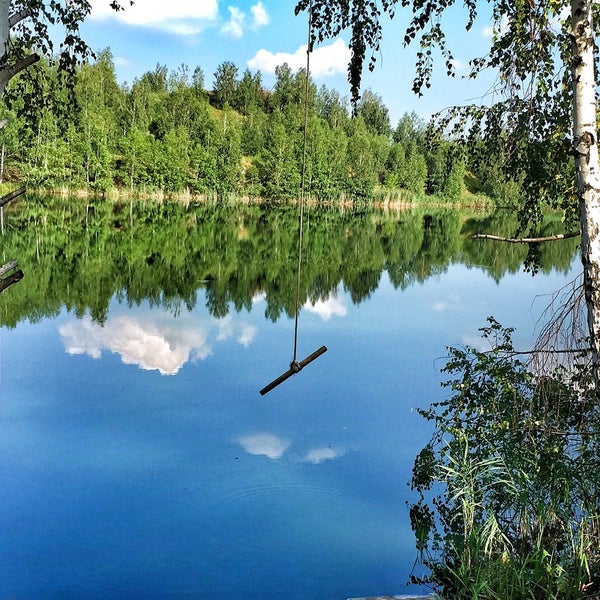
(166, 132)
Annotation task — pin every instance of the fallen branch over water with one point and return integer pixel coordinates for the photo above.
(11, 196)
(14, 277)
(535, 240)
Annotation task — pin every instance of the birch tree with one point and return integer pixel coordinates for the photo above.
(545, 121)
(24, 39)
(585, 146)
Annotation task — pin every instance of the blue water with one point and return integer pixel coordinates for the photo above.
(138, 460)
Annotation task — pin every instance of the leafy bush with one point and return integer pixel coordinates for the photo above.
(509, 485)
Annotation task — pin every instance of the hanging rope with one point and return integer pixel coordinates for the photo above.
(295, 366)
(302, 182)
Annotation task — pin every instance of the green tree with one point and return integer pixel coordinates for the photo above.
(278, 169)
(225, 84)
(226, 147)
(326, 159)
(410, 130)
(136, 154)
(249, 93)
(413, 176)
(174, 160)
(331, 107)
(361, 157)
(254, 132)
(198, 81)
(99, 106)
(375, 114)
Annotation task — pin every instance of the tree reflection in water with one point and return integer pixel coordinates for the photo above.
(81, 253)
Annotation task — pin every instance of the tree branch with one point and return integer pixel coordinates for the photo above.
(9, 266)
(11, 196)
(22, 64)
(18, 17)
(536, 240)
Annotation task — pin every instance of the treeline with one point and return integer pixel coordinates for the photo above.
(167, 132)
(80, 255)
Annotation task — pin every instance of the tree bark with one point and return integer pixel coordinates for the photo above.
(585, 149)
(4, 31)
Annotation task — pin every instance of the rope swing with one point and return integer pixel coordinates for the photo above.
(296, 366)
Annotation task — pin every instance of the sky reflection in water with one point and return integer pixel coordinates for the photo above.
(138, 459)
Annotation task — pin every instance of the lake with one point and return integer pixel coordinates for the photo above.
(139, 459)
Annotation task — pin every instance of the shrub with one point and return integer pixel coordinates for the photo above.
(509, 485)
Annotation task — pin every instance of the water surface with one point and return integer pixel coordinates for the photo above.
(138, 458)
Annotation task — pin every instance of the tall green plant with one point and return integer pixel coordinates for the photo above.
(508, 487)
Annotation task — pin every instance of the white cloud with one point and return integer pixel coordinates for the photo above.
(260, 15)
(496, 29)
(183, 17)
(327, 308)
(325, 61)
(451, 302)
(477, 342)
(246, 332)
(120, 61)
(235, 26)
(558, 21)
(264, 444)
(487, 32)
(225, 328)
(457, 64)
(319, 455)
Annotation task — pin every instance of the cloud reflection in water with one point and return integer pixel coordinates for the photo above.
(326, 309)
(264, 444)
(274, 447)
(153, 340)
(319, 455)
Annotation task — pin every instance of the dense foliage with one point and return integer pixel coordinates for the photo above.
(509, 493)
(80, 254)
(523, 136)
(167, 132)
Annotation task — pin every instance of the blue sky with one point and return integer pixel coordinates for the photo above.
(259, 34)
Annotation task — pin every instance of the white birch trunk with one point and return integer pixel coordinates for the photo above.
(4, 39)
(586, 156)
(4, 29)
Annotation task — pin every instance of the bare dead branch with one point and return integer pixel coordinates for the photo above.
(548, 238)
(11, 196)
(564, 328)
(3, 123)
(536, 240)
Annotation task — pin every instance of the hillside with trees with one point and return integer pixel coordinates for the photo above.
(168, 132)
